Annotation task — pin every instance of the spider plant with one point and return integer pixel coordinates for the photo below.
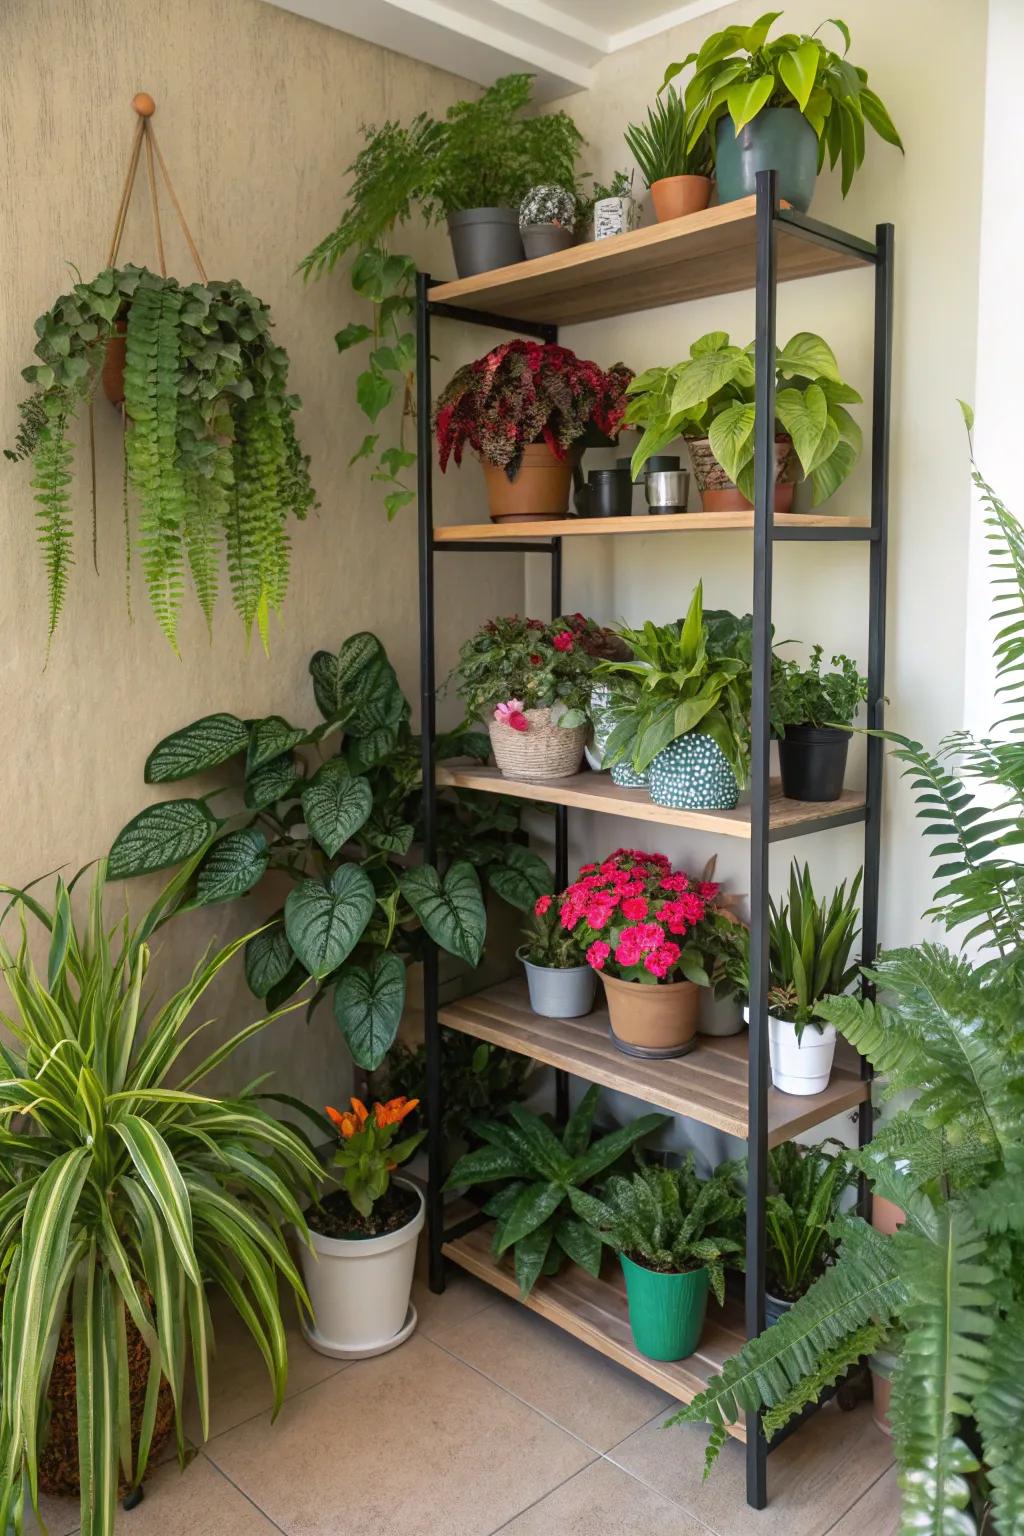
(121, 1196)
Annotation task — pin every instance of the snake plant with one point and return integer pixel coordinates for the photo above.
(121, 1196)
(948, 1029)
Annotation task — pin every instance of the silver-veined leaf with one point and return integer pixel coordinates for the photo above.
(336, 804)
(233, 866)
(159, 836)
(451, 910)
(368, 1006)
(203, 744)
(324, 923)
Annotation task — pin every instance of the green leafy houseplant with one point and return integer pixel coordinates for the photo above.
(341, 830)
(543, 1176)
(948, 1031)
(477, 1079)
(804, 696)
(711, 395)
(682, 688)
(532, 664)
(738, 72)
(806, 1187)
(662, 146)
(810, 946)
(122, 1195)
(210, 446)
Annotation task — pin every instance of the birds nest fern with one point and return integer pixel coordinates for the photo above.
(211, 454)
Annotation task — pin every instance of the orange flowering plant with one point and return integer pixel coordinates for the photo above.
(368, 1154)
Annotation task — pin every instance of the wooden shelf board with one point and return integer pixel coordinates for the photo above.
(673, 522)
(595, 1311)
(595, 792)
(688, 258)
(708, 1085)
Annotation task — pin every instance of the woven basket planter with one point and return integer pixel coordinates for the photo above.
(545, 751)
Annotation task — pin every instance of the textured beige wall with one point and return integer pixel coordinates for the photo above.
(257, 116)
(933, 197)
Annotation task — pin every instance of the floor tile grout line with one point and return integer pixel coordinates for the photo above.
(661, 1493)
(863, 1495)
(540, 1499)
(241, 1491)
(201, 1445)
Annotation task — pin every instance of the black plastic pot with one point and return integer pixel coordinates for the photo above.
(813, 762)
(610, 493)
(484, 238)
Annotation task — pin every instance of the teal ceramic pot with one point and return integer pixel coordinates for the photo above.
(691, 774)
(666, 1312)
(626, 776)
(777, 139)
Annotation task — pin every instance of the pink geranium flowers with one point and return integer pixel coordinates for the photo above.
(638, 919)
(511, 713)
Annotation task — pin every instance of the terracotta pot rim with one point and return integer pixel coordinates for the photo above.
(644, 986)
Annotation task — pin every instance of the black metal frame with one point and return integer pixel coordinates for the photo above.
(769, 219)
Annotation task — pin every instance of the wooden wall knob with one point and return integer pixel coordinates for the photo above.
(144, 104)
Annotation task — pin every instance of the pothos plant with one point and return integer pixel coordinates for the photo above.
(210, 447)
(341, 828)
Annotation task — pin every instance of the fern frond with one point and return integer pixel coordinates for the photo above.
(827, 1371)
(999, 1410)
(50, 483)
(1006, 543)
(205, 506)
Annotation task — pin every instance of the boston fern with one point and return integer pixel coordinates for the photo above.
(210, 447)
(340, 828)
(947, 1030)
(540, 1211)
(121, 1196)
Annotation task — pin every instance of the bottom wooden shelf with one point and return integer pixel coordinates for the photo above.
(595, 1311)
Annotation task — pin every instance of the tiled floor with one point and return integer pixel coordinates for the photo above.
(489, 1419)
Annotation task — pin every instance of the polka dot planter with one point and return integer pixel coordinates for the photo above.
(691, 774)
(626, 776)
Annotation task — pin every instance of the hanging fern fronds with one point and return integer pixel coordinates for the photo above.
(210, 454)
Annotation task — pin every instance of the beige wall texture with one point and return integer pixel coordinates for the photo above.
(821, 589)
(258, 114)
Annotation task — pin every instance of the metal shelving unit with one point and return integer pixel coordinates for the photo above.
(753, 243)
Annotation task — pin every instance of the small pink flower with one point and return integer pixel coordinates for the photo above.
(709, 889)
(598, 953)
(563, 641)
(675, 883)
(541, 905)
(503, 712)
(635, 908)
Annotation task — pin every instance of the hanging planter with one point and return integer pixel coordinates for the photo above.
(211, 454)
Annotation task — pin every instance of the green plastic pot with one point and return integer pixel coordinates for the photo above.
(666, 1312)
(777, 139)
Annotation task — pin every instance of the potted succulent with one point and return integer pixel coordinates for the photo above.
(210, 446)
(815, 712)
(641, 927)
(673, 1234)
(542, 1177)
(780, 105)
(709, 400)
(525, 409)
(530, 681)
(689, 727)
(128, 1183)
(561, 983)
(547, 220)
(676, 165)
(363, 1236)
(806, 1189)
(810, 945)
(613, 208)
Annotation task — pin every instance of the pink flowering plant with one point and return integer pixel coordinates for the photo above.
(639, 920)
(546, 941)
(512, 665)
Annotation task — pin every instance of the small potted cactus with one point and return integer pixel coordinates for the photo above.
(547, 220)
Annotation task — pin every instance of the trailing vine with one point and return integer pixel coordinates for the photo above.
(211, 454)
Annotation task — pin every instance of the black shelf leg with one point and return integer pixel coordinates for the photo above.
(561, 830)
(764, 500)
(428, 724)
(881, 404)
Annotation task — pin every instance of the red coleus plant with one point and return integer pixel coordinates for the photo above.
(526, 392)
(640, 920)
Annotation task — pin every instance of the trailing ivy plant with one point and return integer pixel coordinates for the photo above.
(210, 447)
(340, 827)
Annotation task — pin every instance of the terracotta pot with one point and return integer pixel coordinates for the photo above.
(113, 366)
(540, 490)
(656, 1021)
(717, 492)
(676, 196)
(886, 1215)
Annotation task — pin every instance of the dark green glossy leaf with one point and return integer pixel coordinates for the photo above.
(452, 910)
(324, 923)
(159, 836)
(368, 1006)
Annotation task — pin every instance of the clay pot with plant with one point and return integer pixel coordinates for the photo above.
(525, 409)
(780, 105)
(815, 710)
(708, 399)
(677, 171)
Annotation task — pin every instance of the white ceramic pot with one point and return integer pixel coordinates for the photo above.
(614, 216)
(360, 1289)
(719, 1015)
(802, 1067)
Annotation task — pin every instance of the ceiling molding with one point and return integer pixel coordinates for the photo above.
(484, 39)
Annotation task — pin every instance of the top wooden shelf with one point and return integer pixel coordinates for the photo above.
(689, 258)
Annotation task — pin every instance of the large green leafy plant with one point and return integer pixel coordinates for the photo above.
(543, 1175)
(124, 1189)
(738, 72)
(483, 153)
(340, 828)
(210, 446)
(711, 395)
(948, 1031)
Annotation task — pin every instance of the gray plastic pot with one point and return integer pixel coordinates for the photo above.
(544, 239)
(777, 139)
(557, 993)
(484, 238)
